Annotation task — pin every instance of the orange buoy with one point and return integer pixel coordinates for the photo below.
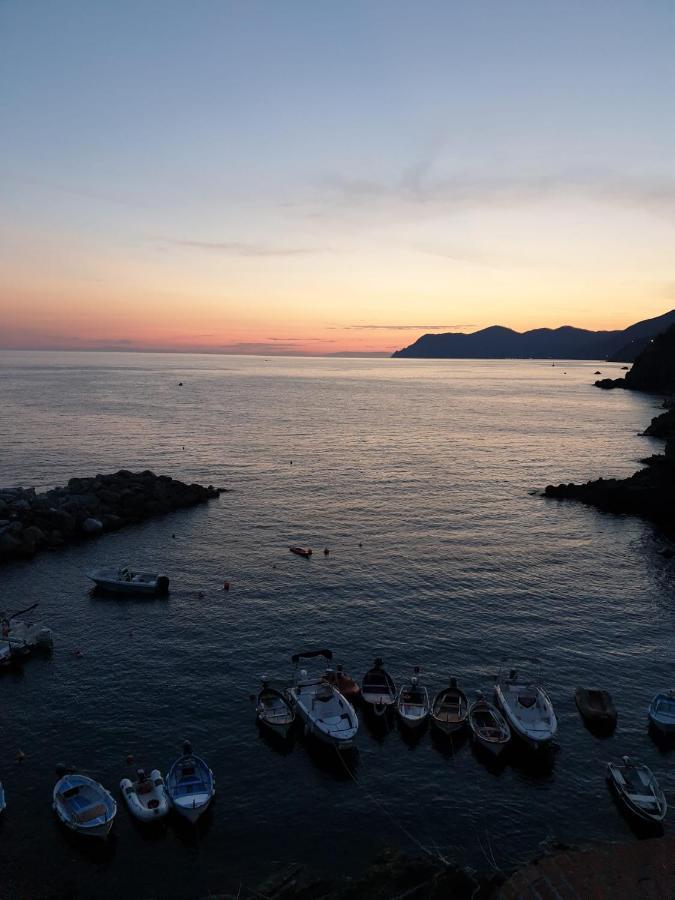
(226, 585)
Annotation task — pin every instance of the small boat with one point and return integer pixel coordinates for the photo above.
(327, 715)
(347, 686)
(488, 726)
(146, 798)
(129, 581)
(596, 706)
(662, 712)
(274, 710)
(378, 690)
(527, 708)
(3, 802)
(301, 551)
(412, 704)
(190, 784)
(450, 709)
(83, 805)
(638, 790)
(31, 635)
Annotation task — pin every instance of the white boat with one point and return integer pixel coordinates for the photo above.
(450, 709)
(327, 715)
(378, 689)
(274, 710)
(488, 726)
(412, 704)
(146, 798)
(129, 581)
(638, 790)
(25, 635)
(662, 712)
(190, 784)
(527, 708)
(3, 802)
(83, 805)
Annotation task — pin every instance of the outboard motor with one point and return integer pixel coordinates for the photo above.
(140, 773)
(187, 748)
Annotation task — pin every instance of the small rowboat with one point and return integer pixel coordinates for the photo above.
(413, 703)
(638, 790)
(596, 707)
(378, 690)
(301, 551)
(146, 798)
(662, 712)
(346, 685)
(83, 805)
(274, 710)
(190, 784)
(450, 709)
(488, 726)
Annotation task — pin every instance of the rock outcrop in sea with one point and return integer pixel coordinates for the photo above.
(87, 507)
(650, 492)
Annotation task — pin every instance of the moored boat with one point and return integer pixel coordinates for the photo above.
(347, 686)
(378, 689)
(190, 784)
(488, 726)
(273, 710)
(662, 712)
(327, 715)
(26, 634)
(129, 581)
(450, 708)
(146, 797)
(527, 708)
(412, 703)
(301, 551)
(3, 801)
(83, 805)
(596, 707)
(639, 791)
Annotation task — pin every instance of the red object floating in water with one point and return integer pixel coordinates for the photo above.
(226, 585)
(301, 551)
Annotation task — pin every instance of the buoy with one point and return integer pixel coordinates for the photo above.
(291, 462)
(20, 756)
(200, 595)
(326, 551)
(78, 653)
(360, 544)
(173, 536)
(180, 384)
(226, 585)
(130, 759)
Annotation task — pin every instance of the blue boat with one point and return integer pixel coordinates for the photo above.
(84, 805)
(662, 712)
(190, 784)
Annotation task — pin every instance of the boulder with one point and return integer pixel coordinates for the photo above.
(92, 527)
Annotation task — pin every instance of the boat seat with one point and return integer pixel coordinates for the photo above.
(93, 811)
(144, 788)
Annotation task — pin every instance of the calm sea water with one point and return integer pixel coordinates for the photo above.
(419, 477)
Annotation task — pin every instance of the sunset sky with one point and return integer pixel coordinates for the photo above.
(297, 176)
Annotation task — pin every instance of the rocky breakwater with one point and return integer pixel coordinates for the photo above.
(88, 507)
(650, 492)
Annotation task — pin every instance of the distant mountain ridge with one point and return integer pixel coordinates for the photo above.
(497, 342)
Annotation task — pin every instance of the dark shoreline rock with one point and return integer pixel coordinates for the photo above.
(88, 507)
(650, 492)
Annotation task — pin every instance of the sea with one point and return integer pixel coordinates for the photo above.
(423, 479)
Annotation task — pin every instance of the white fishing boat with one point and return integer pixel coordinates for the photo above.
(129, 581)
(378, 689)
(527, 708)
(450, 709)
(146, 798)
(412, 704)
(327, 715)
(83, 805)
(25, 635)
(3, 801)
(662, 712)
(274, 710)
(638, 790)
(190, 784)
(488, 726)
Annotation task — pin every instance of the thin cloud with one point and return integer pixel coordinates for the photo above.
(401, 327)
(240, 248)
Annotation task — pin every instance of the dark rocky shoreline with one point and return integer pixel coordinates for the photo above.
(650, 492)
(31, 522)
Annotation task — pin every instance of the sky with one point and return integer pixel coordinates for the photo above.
(315, 177)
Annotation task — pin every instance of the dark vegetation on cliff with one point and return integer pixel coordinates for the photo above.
(88, 507)
(497, 342)
(650, 492)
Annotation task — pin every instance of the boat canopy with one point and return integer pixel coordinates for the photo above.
(310, 654)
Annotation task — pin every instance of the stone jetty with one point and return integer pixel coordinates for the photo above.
(88, 507)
